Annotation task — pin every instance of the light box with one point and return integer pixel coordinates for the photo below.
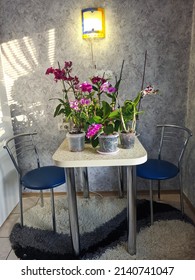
(93, 23)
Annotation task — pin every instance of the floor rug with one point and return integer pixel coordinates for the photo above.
(103, 232)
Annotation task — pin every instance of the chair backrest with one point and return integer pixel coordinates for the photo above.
(22, 145)
(173, 141)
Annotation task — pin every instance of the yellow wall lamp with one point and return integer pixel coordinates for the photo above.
(93, 23)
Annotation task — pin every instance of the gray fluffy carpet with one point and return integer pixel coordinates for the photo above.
(103, 229)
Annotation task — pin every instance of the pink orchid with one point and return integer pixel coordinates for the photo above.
(93, 129)
(149, 90)
(86, 87)
(97, 80)
(106, 87)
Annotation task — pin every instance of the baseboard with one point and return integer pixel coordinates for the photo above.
(115, 193)
(188, 202)
(104, 193)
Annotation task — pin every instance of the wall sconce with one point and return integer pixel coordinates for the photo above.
(93, 23)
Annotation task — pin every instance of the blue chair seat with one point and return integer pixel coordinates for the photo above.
(155, 169)
(172, 138)
(46, 177)
(40, 178)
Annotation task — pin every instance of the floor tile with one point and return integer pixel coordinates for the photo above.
(28, 202)
(12, 256)
(5, 248)
(7, 226)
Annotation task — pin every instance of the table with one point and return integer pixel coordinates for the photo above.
(125, 158)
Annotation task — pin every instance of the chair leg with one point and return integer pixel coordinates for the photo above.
(21, 205)
(158, 189)
(53, 210)
(42, 201)
(151, 203)
(181, 194)
(81, 175)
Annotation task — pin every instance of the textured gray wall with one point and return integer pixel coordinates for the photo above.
(37, 34)
(190, 122)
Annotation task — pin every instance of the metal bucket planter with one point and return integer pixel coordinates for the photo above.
(108, 143)
(127, 140)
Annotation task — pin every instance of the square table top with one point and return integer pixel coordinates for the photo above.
(90, 157)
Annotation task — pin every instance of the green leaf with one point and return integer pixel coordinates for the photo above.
(94, 142)
(95, 88)
(137, 99)
(91, 120)
(117, 125)
(109, 129)
(57, 110)
(97, 119)
(114, 114)
(61, 100)
(106, 109)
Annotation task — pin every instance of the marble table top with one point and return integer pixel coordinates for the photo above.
(90, 157)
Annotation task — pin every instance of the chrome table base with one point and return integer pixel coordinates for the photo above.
(73, 212)
(128, 180)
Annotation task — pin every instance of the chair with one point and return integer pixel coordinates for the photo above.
(173, 140)
(22, 146)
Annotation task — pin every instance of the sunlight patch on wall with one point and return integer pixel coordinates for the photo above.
(51, 45)
(19, 58)
(31, 49)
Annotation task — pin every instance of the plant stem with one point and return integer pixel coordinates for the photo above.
(64, 87)
(120, 77)
(134, 120)
(123, 122)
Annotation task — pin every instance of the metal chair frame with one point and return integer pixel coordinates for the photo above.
(17, 147)
(169, 136)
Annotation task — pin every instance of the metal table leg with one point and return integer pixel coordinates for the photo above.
(72, 206)
(120, 181)
(131, 208)
(124, 177)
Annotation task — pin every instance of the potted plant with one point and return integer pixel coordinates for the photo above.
(102, 129)
(73, 104)
(128, 116)
(103, 123)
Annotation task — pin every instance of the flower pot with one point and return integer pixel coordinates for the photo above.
(76, 141)
(127, 140)
(108, 143)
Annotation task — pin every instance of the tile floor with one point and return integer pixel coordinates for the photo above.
(6, 252)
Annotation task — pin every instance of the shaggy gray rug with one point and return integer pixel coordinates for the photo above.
(103, 230)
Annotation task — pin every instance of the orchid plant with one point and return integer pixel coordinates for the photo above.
(89, 108)
(74, 103)
(130, 110)
(94, 106)
(105, 114)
